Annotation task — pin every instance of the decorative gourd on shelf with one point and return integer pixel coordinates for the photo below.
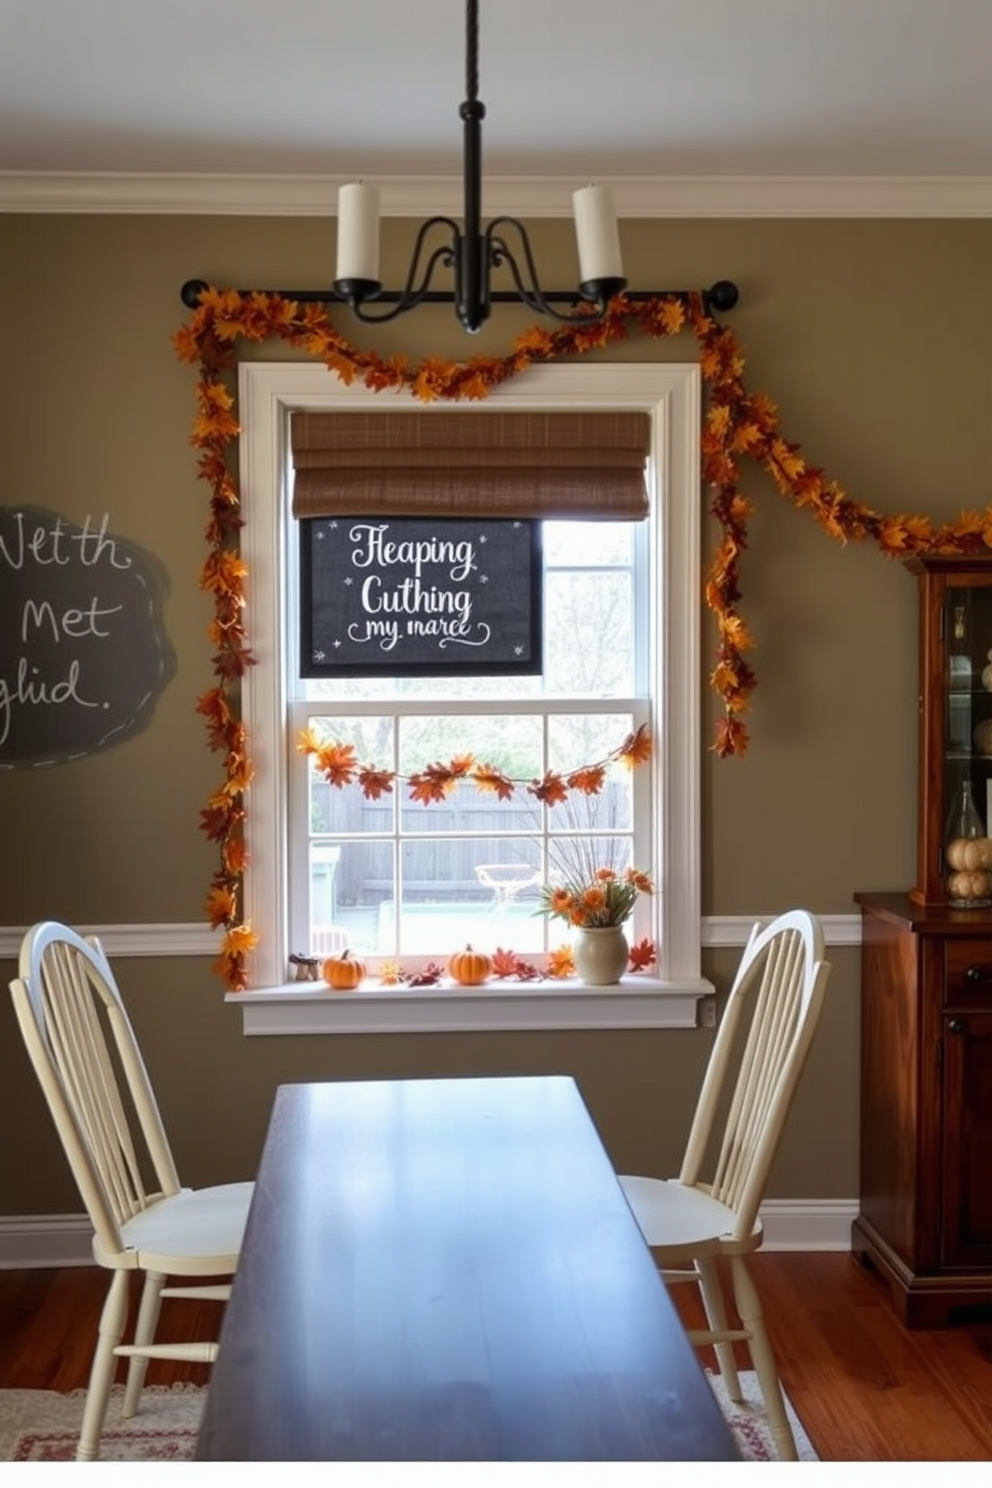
(987, 673)
(470, 968)
(344, 972)
(970, 853)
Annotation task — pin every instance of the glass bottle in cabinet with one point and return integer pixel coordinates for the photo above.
(967, 854)
(954, 857)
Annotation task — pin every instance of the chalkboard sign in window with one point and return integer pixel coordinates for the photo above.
(83, 651)
(419, 597)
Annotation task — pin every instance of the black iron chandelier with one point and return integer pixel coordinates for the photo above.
(472, 252)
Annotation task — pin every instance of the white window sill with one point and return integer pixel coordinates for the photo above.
(635, 1002)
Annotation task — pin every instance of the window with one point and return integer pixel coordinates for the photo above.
(392, 874)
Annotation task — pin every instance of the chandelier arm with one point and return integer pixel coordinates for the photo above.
(412, 293)
(533, 295)
(500, 253)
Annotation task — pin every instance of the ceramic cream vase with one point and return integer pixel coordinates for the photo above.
(600, 955)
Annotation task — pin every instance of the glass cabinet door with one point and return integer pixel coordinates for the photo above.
(954, 850)
(966, 627)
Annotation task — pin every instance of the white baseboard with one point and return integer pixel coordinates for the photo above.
(34, 1241)
(808, 1224)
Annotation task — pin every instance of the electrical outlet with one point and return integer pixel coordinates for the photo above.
(707, 1012)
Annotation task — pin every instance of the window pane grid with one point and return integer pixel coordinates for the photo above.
(394, 878)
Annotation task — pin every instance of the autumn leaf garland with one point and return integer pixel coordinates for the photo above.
(737, 425)
(339, 766)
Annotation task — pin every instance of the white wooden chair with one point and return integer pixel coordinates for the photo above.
(692, 1222)
(87, 1060)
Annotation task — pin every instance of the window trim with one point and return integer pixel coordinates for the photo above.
(671, 394)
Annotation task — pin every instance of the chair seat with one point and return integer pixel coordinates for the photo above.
(194, 1232)
(680, 1220)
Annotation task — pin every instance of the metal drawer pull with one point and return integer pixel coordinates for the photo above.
(978, 974)
(956, 1025)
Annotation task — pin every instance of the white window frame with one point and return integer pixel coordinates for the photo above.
(671, 394)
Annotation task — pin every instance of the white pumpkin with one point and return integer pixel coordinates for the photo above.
(970, 885)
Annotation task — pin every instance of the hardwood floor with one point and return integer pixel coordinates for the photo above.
(865, 1388)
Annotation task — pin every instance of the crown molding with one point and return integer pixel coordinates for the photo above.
(112, 193)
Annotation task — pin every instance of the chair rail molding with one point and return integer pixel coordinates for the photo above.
(34, 1241)
(195, 939)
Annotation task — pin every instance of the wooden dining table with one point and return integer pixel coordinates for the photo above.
(447, 1270)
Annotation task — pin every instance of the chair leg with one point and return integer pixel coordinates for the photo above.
(752, 1316)
(112, 1321)
(144, 1332)
(716, 1315)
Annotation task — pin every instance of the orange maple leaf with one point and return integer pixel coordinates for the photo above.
(488, 778)
(786, 458)
(642, 955)
(636, 748)
(223, 573)
(561, 963)
(240, 938)
(589, 780)
(432, 784)
(375, 783)
(220, 907)
(672, 316)
(551, 790)
(504, 962)
(337, 763)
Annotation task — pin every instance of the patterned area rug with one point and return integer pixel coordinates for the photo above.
(749, 1424)
(43, 1426)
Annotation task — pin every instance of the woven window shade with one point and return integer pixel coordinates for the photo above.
(588, 466)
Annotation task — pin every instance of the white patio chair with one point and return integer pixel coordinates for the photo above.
(90, 1068)
(691, 1223)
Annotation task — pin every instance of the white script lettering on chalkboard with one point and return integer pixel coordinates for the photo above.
(449, 610)
(73, 624)
(36, 693)
(458, 556)
(57, 542)
(86, 654)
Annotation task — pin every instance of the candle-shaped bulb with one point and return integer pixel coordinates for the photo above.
(597, 234)
(358, 233)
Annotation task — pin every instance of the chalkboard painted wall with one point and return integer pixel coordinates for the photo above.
(83, 652)
(419, 597)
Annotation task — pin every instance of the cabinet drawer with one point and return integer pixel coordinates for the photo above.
(968, 973)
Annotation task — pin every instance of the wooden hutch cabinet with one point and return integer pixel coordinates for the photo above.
(925, 1211)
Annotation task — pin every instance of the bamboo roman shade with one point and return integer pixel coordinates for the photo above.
(575, 465)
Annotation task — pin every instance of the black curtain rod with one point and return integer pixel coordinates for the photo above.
(723, 295)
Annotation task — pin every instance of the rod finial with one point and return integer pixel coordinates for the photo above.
(723, 295)
(191, 292)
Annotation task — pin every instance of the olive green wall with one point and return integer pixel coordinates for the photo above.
(866, 335)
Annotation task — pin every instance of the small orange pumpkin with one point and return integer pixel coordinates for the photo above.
(469, 968)
(344, 972)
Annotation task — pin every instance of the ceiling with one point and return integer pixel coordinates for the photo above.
(573, 88)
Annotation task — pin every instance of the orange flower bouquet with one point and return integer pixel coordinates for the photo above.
(596, 901)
